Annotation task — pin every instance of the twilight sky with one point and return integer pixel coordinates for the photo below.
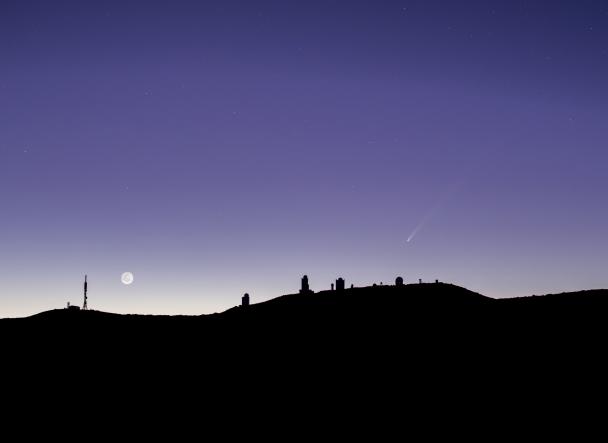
(219, 147)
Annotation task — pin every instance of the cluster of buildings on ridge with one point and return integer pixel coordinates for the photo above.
(245, 300)
(339, 286)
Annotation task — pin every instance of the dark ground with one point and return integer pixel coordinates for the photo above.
(382, 326)
(428, 348)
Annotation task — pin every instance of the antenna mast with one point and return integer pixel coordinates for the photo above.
(84, 306)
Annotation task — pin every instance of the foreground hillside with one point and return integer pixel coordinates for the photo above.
(419, 314)
(381, 350)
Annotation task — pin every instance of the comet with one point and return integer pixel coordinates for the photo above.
(428, 216)
(413, 234)
(440, 202)
(420, 225)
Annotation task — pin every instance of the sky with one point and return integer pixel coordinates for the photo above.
(214, 148)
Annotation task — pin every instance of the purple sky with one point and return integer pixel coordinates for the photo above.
(214, 148)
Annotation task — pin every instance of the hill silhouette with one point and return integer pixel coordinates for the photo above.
(425, 315)
(357, 351)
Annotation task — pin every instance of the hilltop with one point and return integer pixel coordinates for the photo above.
(389, 310)
(380, 299)
(413, 341)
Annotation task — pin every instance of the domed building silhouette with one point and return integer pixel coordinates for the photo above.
(305, 289)
(340, 284)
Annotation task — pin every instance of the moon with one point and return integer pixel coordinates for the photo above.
(126, 278)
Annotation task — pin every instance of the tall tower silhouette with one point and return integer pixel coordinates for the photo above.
(305, 288)
(340, 284)
(84, 306)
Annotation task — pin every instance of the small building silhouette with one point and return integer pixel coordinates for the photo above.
(340, 284)
(399, 281)
(420, 281)
(71, 307)
(245, 300)
(332, 286)
(305, 287)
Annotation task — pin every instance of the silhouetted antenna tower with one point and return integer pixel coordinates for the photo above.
(84, 306)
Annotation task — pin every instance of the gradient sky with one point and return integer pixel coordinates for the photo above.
(219, 147)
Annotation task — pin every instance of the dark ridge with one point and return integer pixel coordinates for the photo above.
(394, 312)
(587, 296)
(413, 343)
